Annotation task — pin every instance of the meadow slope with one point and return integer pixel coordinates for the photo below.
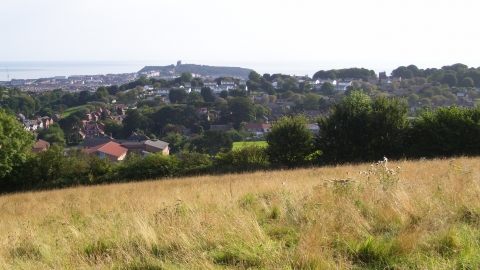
(423, 214)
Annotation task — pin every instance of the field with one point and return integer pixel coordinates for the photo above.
(237, 145)
(395, 215)
(72, 110)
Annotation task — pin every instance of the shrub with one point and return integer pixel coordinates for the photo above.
(289, 142)
(246, 158)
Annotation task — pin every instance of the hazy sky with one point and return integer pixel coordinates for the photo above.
(248, 33)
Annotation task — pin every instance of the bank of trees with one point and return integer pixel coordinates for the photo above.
(359, 129)
(454, 75)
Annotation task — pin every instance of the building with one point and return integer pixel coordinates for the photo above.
(111, 150)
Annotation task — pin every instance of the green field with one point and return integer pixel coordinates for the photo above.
(72, 110)
(237, 145)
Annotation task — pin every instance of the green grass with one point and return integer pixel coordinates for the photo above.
(72, 110)
(237, 145)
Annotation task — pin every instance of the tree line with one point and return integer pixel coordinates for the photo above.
(359, 128)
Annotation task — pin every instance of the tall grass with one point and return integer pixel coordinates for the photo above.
(422, 214)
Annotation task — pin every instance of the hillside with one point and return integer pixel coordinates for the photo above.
(200, 69)
(422, 215)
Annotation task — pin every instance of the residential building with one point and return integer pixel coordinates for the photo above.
(111, 150)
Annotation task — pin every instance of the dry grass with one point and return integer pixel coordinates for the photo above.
(426, 216)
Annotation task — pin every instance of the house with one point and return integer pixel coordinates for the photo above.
(155, 146)
(118, 118)
(342, 86)
(314, 128)
(137, 137)
(219, 88)
(260, 130)
(162, 91)
(121, 106)
(148, 87)
(230, 83)
(40, 146)
(93, 130)
(210, 84)
(96, 141)
(146, 146)
(131, 103)
(275, 109)
(111, 150)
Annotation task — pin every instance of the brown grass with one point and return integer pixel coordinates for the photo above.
(425, 216)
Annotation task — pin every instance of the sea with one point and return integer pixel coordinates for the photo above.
(47, 69)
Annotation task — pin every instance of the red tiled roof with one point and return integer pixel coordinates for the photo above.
(40, 145)
(110, 148)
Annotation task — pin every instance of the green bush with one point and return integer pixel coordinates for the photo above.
(150, 167)
(445, 132)
(360, 129)
(247, 158)
(194, 163)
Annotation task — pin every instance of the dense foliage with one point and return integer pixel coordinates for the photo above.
(289, 142)
(360, 129)
(15, 144)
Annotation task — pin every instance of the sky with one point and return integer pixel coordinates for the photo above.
(258, 34)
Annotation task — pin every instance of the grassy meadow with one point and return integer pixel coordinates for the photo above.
(238, 145)
(72, 110)
(422, 215)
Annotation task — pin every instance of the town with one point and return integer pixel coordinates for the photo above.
(121, 108)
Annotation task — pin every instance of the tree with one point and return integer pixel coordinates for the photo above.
(436, 75)
(238, 93)
(15, 143)
(327, 88)
(413, 97)
(186, 77)
(207, 94)
(310, 102)
(224, 94)
(212, 142)
(142, 81)
(113, 90)
(113, 128)
(467, 82)
(177, 95)
(54, 135)
(132, 122)
(176, 142)
(289, 142)
(360, 130)
(446, 132)
(450, 79)
(254, 77)
(242, 110)
(194, 96)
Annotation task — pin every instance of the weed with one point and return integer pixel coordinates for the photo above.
(26, 251)
(170, 213)
(379, 171)
(97, 250)
(373, 251)
(275, 213)
(247, 201)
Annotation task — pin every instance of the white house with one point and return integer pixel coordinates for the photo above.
(210, 84)
(342, 86)
(218, 89)
(163, 91)
(230, 83)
